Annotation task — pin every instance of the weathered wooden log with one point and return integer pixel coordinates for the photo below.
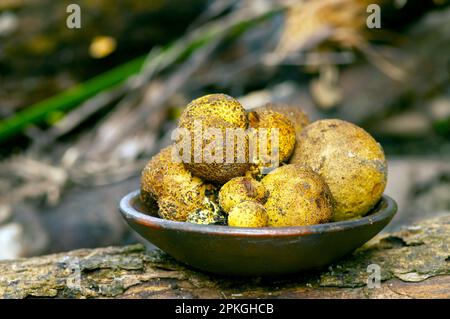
(413, 262)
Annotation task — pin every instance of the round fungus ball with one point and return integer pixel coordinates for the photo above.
(266, 123)
(173, 209)
(269, 120)
(218, 149)
(248, 214)
(220, 106)
(172, 186)
(350, 161)
(241, 189)
(297, 117)
(298, 197)
(294, 113)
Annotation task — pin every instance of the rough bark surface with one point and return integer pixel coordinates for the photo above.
(414, 263)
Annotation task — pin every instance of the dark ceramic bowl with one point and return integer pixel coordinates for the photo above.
(256, 251)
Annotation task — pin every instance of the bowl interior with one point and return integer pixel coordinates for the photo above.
(132, 207)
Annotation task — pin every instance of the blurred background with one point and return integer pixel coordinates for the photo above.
(83, 109)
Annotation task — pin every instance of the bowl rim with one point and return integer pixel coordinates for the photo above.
(386, 209)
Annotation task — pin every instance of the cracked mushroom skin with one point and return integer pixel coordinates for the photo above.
(297, 197)
(350, 161)
(172, 186)
(204, 216)
(241, 189)
(224, 114)
(209, 213)
(248, 214)
(269, 120)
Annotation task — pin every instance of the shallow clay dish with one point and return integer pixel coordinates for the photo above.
(255, 251)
